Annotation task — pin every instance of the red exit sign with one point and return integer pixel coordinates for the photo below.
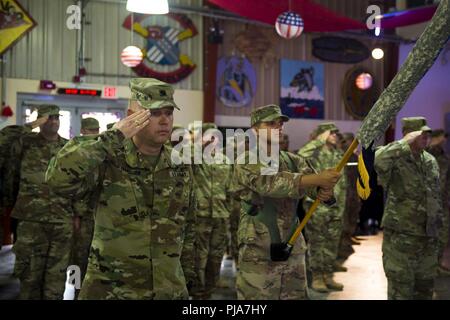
(109, 93)
(80, 92)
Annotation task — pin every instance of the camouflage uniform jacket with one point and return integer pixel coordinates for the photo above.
(443, 161)
(211, 183)
(143, 244)
(85, 206)
(322, 158)
(413, 204)
(29, 158)
(279, 191)
(8, 135)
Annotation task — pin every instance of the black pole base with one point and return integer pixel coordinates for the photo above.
(280, 251)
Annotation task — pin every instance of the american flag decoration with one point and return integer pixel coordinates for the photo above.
(289, 25)
(131, 56)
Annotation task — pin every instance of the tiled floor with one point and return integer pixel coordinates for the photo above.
(364, 279)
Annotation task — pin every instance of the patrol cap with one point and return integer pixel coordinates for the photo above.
(151, 93)
(89, 123)
(47, 110)
(438, 133)
(321, 128)
(208, 125)
(110, 125)
(415, 124)
(267, 113)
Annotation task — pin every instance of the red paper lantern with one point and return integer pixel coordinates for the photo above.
(131, 56)
(289, 25)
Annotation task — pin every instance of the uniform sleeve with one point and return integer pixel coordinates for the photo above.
(308, 150)
(70, 172)
(304, 167)
(188, 253)
(12, 173)
(279, 185)
(385, 158)
(10, 159)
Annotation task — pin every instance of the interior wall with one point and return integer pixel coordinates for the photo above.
(268, 71)
(431, 97)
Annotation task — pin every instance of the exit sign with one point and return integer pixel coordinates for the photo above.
(109, 93)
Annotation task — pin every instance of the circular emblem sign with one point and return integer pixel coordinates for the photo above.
(162, 47)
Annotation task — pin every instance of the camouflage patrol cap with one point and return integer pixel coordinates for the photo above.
(89, 123)
(151, 93)
(321, 128)
(267, 113)
(438, 133)
(208, 125)
(110, 125)
(415, 124)
(47, 110)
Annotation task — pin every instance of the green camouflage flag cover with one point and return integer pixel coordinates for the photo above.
(420, 59)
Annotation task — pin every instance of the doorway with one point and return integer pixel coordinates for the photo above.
(72, 110)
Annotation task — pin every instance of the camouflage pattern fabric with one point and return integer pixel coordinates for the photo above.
(258, 276)
(419, 60)
(84, 208)
(443, 161)
(7, 136)
(325, 227)
(143, 244)
(211, 183)
(412, 219)
(211, 243)
(40, 212)
(29, 158)
(42, 257)
(410, 264)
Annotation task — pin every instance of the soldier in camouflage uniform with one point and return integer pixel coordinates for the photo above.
(84, 208)
(413, 216)
(268, 215)
(8, 135)
(211, 182)
(89, 126)
(436, 148)
(45, 226)
(325, 227)
(143, 244)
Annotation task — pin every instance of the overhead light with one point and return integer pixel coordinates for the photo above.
(377, 53)
(148, 6)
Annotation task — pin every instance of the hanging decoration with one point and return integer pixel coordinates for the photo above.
(15, 22)
(162, 47)
(289, 25)
(236, 81)
(131, 56)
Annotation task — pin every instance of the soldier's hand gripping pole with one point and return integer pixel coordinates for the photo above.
(316, 203)
(282, 251)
